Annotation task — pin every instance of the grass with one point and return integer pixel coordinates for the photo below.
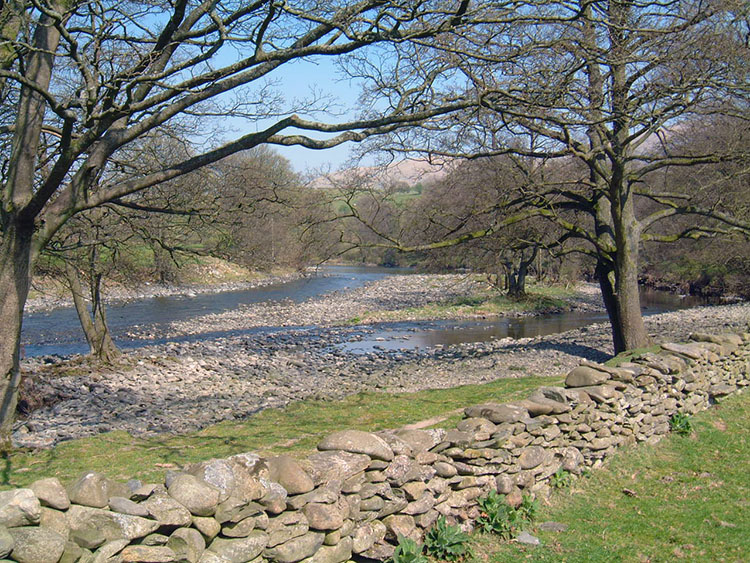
(294, 430)
(687, 499)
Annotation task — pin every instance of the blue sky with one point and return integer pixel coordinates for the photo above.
(296, 81)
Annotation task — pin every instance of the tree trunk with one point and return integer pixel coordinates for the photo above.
(605, 276)
(517, 280)
(632, 327)
(93, 322)
(15, 279)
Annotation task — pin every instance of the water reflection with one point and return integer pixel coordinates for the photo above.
(409, 336)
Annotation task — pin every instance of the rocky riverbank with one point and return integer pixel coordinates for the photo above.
(395, 298)
(181, 387)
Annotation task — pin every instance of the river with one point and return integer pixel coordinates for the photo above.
(58, 332)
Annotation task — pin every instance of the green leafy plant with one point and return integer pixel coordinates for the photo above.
(445, 542)
(407, 551)
(528, 508)
(498, 517)
(680, 424)
(561, 479)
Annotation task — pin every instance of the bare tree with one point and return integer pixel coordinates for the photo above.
(83, 80)
(594, 87)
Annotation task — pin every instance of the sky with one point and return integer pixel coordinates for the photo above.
(296, 81)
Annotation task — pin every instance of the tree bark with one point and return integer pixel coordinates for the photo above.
(93, 322)
(15, 279)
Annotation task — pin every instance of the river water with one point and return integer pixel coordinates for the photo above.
(58, 332)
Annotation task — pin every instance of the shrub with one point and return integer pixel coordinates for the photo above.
(446, 543)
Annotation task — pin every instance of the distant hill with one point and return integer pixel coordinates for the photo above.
(408, 171)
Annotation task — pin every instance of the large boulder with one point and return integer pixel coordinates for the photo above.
(289, 474)
(497, 413)
(50, 492)
(200, 498)
(240, 550)
(109, 525)
(584, 376)
(34, 544)
(357, 442)
(19, 507)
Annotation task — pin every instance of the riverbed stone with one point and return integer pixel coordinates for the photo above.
(532, 457)
(72, 553)
(235, 509)
(357, 442)
(419, 440)
(324, 516)
(200, 498)
(367, 535)
(289, 474)
(6, 542)
(399, 525)
(497, 413)
(51, 492)
(274, 499)
(34, 544)
(19, 507)
(208, 527)
(601, 393)
(402, 470)
(55, 520)
(215, 472)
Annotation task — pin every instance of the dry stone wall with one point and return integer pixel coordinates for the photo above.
(361, 490)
